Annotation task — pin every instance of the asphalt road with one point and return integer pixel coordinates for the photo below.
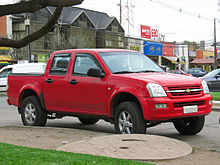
(208, 138)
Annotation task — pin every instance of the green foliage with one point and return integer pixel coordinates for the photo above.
(192, 43)
(10, 155)
(215, 95)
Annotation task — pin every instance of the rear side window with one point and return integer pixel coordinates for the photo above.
(5, 73)
(60, 64)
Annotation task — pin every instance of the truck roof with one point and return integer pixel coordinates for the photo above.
(94, 50)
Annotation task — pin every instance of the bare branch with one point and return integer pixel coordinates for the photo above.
(34, 5)
(5, 42)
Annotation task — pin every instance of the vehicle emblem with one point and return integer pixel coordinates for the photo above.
(188, 90)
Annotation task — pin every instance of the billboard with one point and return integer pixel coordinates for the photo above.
(149, 32)
(152, 48)
(145, 32)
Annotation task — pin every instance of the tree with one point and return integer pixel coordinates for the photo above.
(196, 46)
(32, 6)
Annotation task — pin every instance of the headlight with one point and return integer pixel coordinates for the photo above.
(205, 87)
(156, 90)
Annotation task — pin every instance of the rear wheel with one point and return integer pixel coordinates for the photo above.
(84, 120)
(128, 119)
(32, 113)
(189, 126)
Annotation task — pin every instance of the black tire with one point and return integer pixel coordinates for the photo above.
(134, 122)
(32, 113)
(85, 120)
(189, 126)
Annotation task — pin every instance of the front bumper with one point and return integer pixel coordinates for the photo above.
(172, 111)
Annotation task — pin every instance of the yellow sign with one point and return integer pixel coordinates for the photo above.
(135, 48)
(4, 48)
(174, 62)
(5, 58)
(207, 53)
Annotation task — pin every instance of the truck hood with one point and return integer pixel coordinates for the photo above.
(165, 79)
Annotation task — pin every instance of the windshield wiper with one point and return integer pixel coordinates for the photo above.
(145, 71)
(123, 72)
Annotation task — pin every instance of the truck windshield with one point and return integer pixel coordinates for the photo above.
(128, 62)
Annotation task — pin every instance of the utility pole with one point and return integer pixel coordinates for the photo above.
(128, 17)
(215, 53)
(120, 12)
(27, 24)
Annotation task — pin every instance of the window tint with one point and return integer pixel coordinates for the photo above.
(5, 73)
(83, 63)
(60, 64)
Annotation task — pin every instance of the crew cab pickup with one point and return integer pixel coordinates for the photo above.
(123, 87)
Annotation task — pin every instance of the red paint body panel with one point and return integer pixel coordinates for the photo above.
(94, 96)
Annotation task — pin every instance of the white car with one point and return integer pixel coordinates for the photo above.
(19, 68)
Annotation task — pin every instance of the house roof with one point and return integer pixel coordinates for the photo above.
(203, 61)
(100, 20)
(68, 15)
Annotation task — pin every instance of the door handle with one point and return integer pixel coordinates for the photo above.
(73, 82)
(49, 80)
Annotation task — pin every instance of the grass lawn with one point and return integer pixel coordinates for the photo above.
(215, 95)
(16, 155)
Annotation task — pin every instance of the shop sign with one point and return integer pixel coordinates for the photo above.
(135, 48)
(149, 32)
(42, 58)
(152, 48)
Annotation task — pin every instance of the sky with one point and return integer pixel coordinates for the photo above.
(195, 22)
(178, 20)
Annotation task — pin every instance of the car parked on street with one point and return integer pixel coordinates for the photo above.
(213, 80)
(180, 72)
(19, 68)
(196, 72)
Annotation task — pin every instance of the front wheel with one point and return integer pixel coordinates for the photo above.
(128, 119)
(189, 126)
(32, 113)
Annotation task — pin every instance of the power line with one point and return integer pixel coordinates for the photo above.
(181, 10)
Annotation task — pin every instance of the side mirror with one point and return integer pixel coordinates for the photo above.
(92, 72)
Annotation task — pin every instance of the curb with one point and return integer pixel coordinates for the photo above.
(216, 106)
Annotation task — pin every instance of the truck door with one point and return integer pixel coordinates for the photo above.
(55, 92)
(87, 94)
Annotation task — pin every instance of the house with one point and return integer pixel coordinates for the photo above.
(76, 28)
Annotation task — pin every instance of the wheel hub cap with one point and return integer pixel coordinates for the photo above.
(125, 123)
(30, 113)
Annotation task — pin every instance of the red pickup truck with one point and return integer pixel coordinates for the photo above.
(123, 87)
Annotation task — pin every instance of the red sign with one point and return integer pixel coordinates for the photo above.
(145, 32)
(169, 49)
(148, 32)
(154, 33)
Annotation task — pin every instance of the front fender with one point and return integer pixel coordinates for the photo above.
(130, 90)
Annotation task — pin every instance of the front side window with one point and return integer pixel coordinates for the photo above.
(128, 62)
(60, 64)
(83, 63)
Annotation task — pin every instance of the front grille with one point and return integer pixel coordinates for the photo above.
(189, 103)
(184, 91)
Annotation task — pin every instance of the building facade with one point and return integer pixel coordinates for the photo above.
(76, 28)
